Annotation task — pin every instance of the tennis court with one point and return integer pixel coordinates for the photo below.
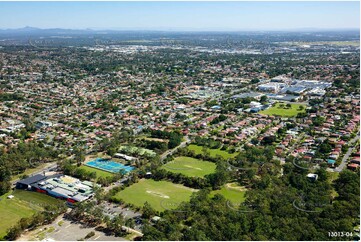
(108, 165)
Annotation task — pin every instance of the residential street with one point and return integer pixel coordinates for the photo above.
(348, 153)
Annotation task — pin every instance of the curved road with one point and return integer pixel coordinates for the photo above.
(172, 151)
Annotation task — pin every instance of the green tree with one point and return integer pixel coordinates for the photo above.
(148, 211)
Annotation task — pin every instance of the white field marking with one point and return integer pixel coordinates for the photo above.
(235, 187)
(97, 237)
(68, 226)
(197, 168)
(157, 194)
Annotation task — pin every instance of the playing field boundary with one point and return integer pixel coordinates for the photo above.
(190, 166)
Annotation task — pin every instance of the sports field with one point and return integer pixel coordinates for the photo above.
(23, 205)
(99, 172)
(283, 111)
(213, 152)
(232, 192)
(190, 166)
(161, 195)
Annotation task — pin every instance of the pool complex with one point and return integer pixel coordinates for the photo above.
(108, 165)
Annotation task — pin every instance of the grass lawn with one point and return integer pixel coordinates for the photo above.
(100, 173)
(213, 152)
(232, 192)
(23, 205)
(290, 112)
(161, 195)
(332, 176)
(36, 198)
(190, 166)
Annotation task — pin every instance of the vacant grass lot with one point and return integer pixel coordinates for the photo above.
(190, 166)
(232, 192)
(100, 173)
(23, 205)
(213, 152)
(161, 195)
(284, 112)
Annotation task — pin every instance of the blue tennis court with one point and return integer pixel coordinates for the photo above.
(108, 165)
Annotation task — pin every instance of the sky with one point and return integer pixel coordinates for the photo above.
(181, 15)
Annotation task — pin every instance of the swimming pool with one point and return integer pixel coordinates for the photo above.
(108, 165)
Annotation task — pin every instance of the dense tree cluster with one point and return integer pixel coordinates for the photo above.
(207, 142)
(174, 137)
(157, 146)
(218, 119)
(274, 212)
(10, 97)
(18, 158)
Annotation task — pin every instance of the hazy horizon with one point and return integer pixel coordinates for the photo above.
(182, 16)
(170, 29)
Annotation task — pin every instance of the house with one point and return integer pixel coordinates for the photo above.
(355, 160)
(353, 166)
(312, 177)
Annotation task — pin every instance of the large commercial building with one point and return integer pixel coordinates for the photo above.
(271, 87)
(60, 186)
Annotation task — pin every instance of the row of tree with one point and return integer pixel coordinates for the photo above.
(92, 214)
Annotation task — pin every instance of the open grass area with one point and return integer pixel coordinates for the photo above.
(156, 139)
(277, 110)
(161, 195)
(332, 176)
(100, 173)
(190, 166)
(232, 192)
(213, 152)
(23, 205)
(36, 198)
